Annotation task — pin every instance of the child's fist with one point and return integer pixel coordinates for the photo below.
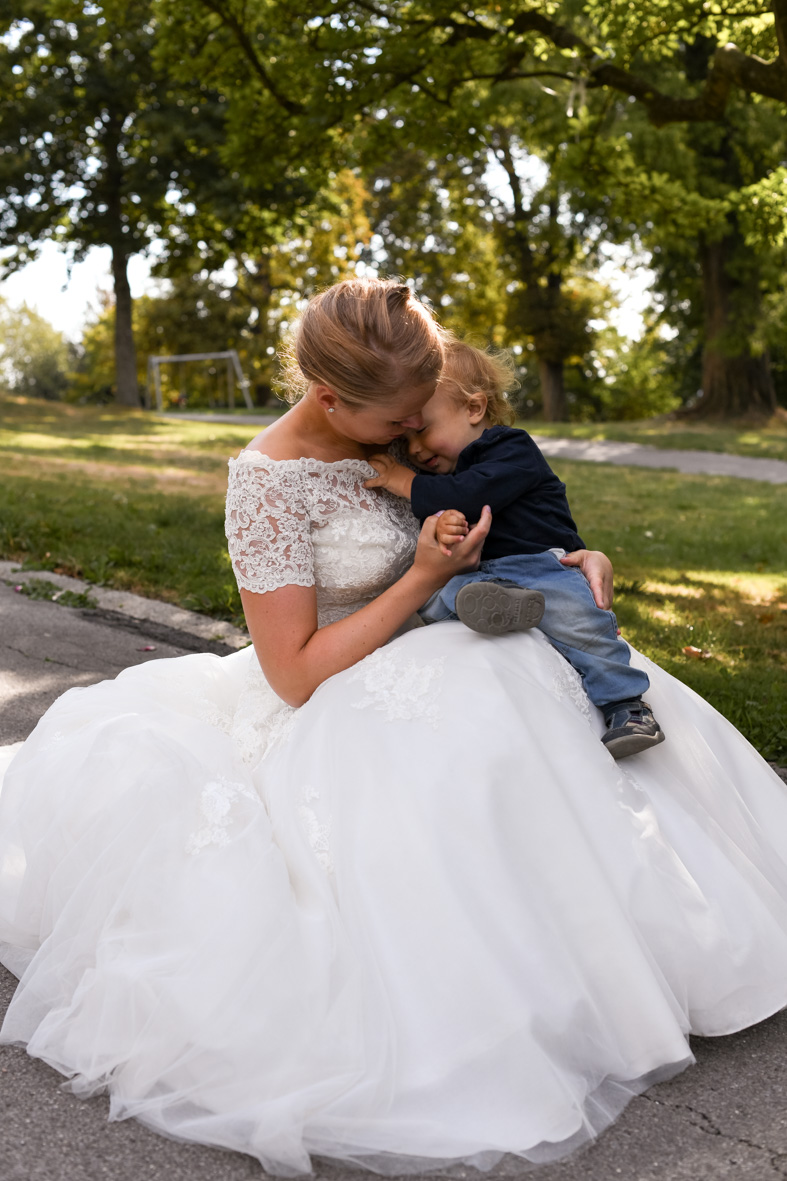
(391, 475)
(383, 465)
(451, 527)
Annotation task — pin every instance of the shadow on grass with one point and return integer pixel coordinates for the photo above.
(714, 636)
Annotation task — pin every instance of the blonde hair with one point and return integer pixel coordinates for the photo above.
(367, 339)
(468, 370)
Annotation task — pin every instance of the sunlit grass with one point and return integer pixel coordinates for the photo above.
(114, 434)
(28, 426)
(168, 545)
(701, 563)
(135, 502)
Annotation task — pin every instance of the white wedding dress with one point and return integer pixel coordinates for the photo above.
(424, 918)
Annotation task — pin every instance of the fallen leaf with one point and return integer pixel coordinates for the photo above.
(738, 622)
(696, 653)
(767, 618)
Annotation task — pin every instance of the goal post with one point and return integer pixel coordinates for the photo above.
(235, 375)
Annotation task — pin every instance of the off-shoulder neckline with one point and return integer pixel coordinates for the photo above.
(248, 452)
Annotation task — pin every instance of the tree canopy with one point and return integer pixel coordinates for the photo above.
(35, 359)
(491, 149)
(344, 57)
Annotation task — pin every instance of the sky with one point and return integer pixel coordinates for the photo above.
(67, 303)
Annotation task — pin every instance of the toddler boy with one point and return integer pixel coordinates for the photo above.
(473, 459)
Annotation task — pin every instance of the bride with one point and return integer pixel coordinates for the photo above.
(388, 902)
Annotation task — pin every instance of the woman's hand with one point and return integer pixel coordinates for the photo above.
(441, 562)
(597, 569)
(296, 655)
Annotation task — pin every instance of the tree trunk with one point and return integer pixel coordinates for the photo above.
(553, 392)
(735, 383)
(125, 353)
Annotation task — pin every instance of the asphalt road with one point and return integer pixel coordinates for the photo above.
(726, 1117)
(46, 649)
(706, 463)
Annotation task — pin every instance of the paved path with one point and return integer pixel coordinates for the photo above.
(46, 648)
(724, 1118)
(709, 463)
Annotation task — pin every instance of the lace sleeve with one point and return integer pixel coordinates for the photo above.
(267, 524)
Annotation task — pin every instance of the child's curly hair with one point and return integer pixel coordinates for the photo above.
(468, 370)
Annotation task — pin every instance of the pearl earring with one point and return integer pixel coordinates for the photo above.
(331, 409)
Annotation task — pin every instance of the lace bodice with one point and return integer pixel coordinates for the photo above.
(304, 522)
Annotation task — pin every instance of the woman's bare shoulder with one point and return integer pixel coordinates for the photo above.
(279, 441)
(293, 438)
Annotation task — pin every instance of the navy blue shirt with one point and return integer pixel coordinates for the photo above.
(504, 469)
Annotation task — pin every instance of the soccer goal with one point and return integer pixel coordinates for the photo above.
(235, 377)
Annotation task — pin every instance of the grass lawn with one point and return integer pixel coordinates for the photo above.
(700, 564)
(133, 502)
(114, 435)
(765, 443)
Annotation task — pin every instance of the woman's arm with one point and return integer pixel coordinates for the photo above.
(597, 569)
(296, 656)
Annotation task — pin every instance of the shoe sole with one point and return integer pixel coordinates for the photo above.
(495, 610)
(632, 744)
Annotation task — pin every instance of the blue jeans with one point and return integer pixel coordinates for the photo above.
(581, 631)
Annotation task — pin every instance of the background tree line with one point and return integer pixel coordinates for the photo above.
(491, 153)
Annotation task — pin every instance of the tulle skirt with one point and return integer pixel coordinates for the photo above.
(425, 918)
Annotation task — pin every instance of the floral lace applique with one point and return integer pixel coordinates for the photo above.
(193, 698)
(404, 689)
(305, 522)
(568, 683)
(318, 832)
(267, 525)
(52, 739)
(219, 719)
(648, 662)
(217, 803)
(262, 720)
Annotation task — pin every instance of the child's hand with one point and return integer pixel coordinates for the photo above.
(391, 475)
(450, 528)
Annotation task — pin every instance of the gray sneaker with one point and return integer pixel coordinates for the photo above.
(495, 608)
(631, 728)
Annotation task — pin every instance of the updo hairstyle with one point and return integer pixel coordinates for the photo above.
(469, 370)
(366, 339)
